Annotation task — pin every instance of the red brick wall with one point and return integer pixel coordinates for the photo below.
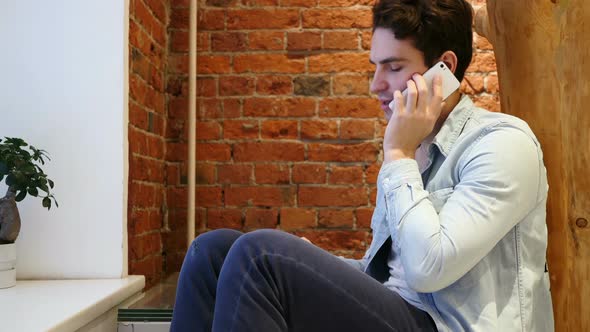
(288, 135)
(148, 41)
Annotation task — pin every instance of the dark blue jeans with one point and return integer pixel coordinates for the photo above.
(269, 280)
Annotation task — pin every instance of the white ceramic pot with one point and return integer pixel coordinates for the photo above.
(7, 265)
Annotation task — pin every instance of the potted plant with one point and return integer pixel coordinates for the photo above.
(19, 168)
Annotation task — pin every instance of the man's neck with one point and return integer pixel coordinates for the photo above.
(450, 104)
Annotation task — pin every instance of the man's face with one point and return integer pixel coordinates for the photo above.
(396, 61)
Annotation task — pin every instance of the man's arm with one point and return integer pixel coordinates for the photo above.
(498, 186)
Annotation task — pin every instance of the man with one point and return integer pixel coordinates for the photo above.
(459, 233)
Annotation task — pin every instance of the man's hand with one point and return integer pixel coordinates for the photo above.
(413, 118)
(306, 240)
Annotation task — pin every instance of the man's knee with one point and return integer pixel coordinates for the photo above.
(215, 240)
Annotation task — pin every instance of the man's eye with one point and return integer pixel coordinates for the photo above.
(396, 69)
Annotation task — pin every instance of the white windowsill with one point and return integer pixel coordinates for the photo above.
(62, 305)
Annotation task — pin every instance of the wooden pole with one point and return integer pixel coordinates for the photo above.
(542, 52)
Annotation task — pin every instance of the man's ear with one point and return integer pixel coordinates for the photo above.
(450, 59)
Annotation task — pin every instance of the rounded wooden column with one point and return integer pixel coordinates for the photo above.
(542, 52)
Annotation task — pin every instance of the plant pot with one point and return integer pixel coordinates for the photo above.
(7, 265)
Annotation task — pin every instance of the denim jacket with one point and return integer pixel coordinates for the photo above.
(469, 228)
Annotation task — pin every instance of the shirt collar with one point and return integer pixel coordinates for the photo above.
(453, 125)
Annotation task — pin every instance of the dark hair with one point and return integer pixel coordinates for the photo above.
(434, 26)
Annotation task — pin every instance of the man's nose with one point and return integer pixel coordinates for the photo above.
(378, 84)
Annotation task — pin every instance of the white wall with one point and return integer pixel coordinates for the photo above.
(63, 88)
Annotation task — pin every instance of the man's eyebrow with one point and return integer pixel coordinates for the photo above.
(389, 60)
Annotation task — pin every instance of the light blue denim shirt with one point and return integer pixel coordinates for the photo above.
(469, 230)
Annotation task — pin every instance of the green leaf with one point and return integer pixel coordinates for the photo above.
(43, 185)
(47, 203)
(33, 191)
(10, 179)
(3, 169)
(50, 183)
(20, 196)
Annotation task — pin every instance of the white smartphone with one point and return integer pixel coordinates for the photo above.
(450, 83)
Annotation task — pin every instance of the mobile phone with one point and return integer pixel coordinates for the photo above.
(450, 83)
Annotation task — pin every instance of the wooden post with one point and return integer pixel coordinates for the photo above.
(542, 52)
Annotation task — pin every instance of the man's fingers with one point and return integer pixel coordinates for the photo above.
(412, 96)
(305, 239)
(398, 100)
(422, 88)
(436, 99)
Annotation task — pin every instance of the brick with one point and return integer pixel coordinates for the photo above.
(337, 18)
(176, 151)
(179, 40)
(203, 43)
(319, 129)
(176, 197)
(363, 217)
(138, 116)
(240, 129)
(345, 3)
(213, 19)
(172, 174)
(268, 151)
(224, 218)
(372, 172)
(267, 63)
(304, 41)
(144, 245)
(142, 195)
(482, 62)
(363, 152)
(228, 41)
(295, 218)
(143, 221)
(236, 86)
(213, 151)
(232, 108)
(350, 85)
(482, 43)
(259, 196)
(279, 107)
(361, 107)
(491, 84)
(266, 40)
(340, 63)
(366, 37)
(155, 147)
(336, 218)
(208, 130)
(309, 173)
(261, 218)
(279, 129)
(373, 195)
(144, 169)
(357, 129)
(262, 19)
(212, 64)
(150, 267)
(145, 18)
(222, 3)
(331, 196)
(271, 174)
(208, 196)
(260, 3)
(234, 173)
(341, 40)
(336, 239)
(472, 84)
(205, 173)
(346, 175)
(274, 85)
(299, 3)
(312, 85)
(490, 103)
(206, 87)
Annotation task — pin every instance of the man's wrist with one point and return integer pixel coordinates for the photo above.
(391, 155)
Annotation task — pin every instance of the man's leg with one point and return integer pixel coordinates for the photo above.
(195, 294)
(274, 281)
